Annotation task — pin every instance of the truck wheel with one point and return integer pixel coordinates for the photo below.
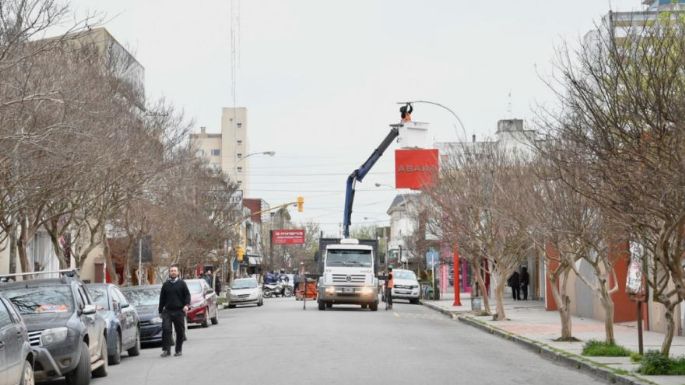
(374, 306)
(102, 370)
(80, 375)
(135, 350)
(322, 306)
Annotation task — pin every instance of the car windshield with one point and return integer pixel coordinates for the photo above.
(144, 297)
(195, 287)
(361, 258)
(44, 299)
(244, 284)
(404, 274)
(99, 297)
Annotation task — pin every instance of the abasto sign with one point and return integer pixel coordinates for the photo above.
(416, 168)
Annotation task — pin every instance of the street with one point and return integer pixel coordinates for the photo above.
(281, 343)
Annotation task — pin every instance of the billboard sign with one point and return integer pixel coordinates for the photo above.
(416, 169)
(287, 237)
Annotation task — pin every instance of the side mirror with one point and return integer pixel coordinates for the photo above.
(89, 310)
(125, 305)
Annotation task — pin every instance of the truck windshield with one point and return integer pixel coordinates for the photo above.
(357, 258)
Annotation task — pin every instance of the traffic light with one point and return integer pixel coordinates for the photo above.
(300, 204)
(240, 253)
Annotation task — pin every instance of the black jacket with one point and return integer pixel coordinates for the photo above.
(525, 278)
(514, 280)
(174, 295)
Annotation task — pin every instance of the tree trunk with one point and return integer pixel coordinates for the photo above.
(563, 305)
(54, 239)
(499, 298)
(670, 330)
(13, 247)
(480, 281)
(22, 245)
(109, 265)
(608, 305)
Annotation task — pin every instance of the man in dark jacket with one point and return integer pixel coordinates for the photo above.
(525, 281)
(174, 302)
(515, 284)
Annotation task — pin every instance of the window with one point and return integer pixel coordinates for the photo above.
(5, 318)
(119, 297)
(216, 152)
(239, 142)
(240, 182)
(239, 125)
(240, 169)
(239, 155)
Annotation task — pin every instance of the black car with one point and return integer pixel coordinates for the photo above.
(145, 299)
(64, 329)
(16, 360)
(121, 319)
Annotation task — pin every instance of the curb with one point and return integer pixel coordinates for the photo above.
(568, 359)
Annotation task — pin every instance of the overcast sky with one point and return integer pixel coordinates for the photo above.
(321, 78)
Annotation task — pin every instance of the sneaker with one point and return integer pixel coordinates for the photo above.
(165, 353)
(178, 354)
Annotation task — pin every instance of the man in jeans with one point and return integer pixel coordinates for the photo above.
(174, 302)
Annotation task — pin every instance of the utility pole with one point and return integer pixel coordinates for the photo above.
(140, 261)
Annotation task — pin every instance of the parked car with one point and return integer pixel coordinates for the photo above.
(245, 291)
(121, 320)
(406, 286)
(64, 329)
(17, 367)
(145, 299)
(203, 303)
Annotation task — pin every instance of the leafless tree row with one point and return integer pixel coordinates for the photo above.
(608, 170)
(84, 156)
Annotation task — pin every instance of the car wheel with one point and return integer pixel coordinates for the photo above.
(115, 359)
(135, 350)
(102, 370)
(329, 305)
(374, 306)
(261, 302)
(322, 306)
(205, 323)
(364, 305)
(80, 375)
(231, 306)
(27, 374)
(414, 301)
(215, 319)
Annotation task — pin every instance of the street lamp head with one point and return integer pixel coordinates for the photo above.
(377, 184)
(270, 153)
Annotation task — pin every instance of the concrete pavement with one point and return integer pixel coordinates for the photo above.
(529, 323)
(280, 343)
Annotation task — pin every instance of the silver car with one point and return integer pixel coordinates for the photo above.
(245, 291)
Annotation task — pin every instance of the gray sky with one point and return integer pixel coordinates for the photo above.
(321, 78)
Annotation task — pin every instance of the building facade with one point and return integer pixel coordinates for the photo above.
(227, 151)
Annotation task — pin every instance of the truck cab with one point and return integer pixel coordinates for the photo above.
(348, 275)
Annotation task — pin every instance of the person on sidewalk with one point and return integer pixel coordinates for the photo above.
(525, 280)
(174, 302)
(515, 285)
(389, 285)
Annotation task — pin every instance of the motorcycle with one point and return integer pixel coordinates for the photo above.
(278, 289)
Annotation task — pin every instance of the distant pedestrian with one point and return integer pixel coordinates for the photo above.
(515, 284)
(174, 302)
(217, 286)
(209, 278)
(525, 281)
(389, 285)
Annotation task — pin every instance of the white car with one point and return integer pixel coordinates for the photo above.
(245, 291)
(406, 285)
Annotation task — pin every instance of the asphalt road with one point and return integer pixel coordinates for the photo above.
(280, 343)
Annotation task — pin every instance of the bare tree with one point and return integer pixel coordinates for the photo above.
(621, 98)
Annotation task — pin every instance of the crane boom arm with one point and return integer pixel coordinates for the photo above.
(360, 173)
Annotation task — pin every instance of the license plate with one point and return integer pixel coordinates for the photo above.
(348, 290)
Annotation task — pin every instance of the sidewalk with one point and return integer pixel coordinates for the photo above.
(530, 324)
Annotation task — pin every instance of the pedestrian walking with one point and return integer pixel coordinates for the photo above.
(515, 284)
(174, 302)
(389, 285)
(525, 280)
(209, 278)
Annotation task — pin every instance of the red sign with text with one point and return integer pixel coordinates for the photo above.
(287, 237)
(416, 169)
